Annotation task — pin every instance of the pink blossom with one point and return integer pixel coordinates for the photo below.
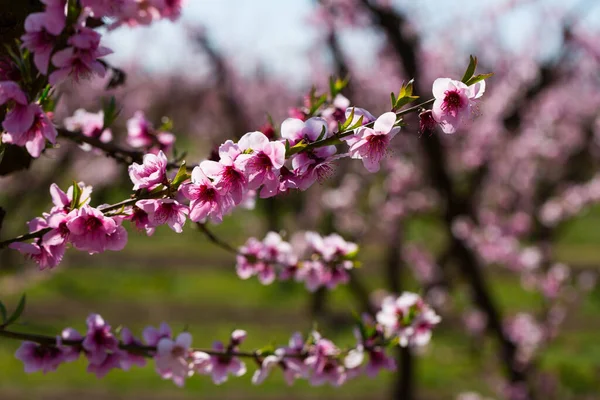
(151, 173)
(323, 365)
(45, 256)
(90, 125)
(293, 367)
(59, 235)
(267, 365)
(70, 353)
(91, 231)
(128, 359)
(141, 221)
(141, 134)
(10, 90)
(37, 357)
(261, 160)
(18, 121)
(206, 200)
(99, 342)
(108, 8)
(359, 113)
(152, 335)
(248, 257)
(427, 123)
(170, 9)
(408, 318)
(220, 366)
(33, 137)
(100, 369)
(228, 179)
(337, 112)
(41, 31)
(453, 102)
(312, 273)
(372, 143)
(80, 60)
(62, 201)
(165, 211)
(172, 358)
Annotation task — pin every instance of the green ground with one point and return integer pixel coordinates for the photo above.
(151, 281)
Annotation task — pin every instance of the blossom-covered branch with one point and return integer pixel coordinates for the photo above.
(405, 320)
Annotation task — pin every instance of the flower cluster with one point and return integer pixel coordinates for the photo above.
(64, 49)
(407, 318)
(310, 258)
(315, 358)
(72, 220)
(256, 164)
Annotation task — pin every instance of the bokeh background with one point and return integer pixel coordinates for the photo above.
(529, 158)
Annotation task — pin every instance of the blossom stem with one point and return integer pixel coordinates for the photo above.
(132, 348)
(216, 240)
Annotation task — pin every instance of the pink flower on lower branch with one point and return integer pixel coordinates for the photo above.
(408, 319)
(173, 358)
(324, 366)
(99, 342)
(453, 102)
(370, 144)
(37, 357)
(127, 359)
(112, 361)
(152, 335)
(165, 211)
(220, 366)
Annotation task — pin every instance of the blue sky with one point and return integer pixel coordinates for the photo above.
(277, 33)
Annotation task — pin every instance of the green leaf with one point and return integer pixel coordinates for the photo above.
(358, 123)
(322, 134)
(332, 87)
(76, 196)
(404, 101)
(470, 69)
(45, 93)
(17, 313)
(111, 112)
(166, 124)
(3, 312)
(2, 148)
(315, 105)
(181, 176)
(478, 78)
(406, 90)
(405, 96)
(347, 122)
(287, 146)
